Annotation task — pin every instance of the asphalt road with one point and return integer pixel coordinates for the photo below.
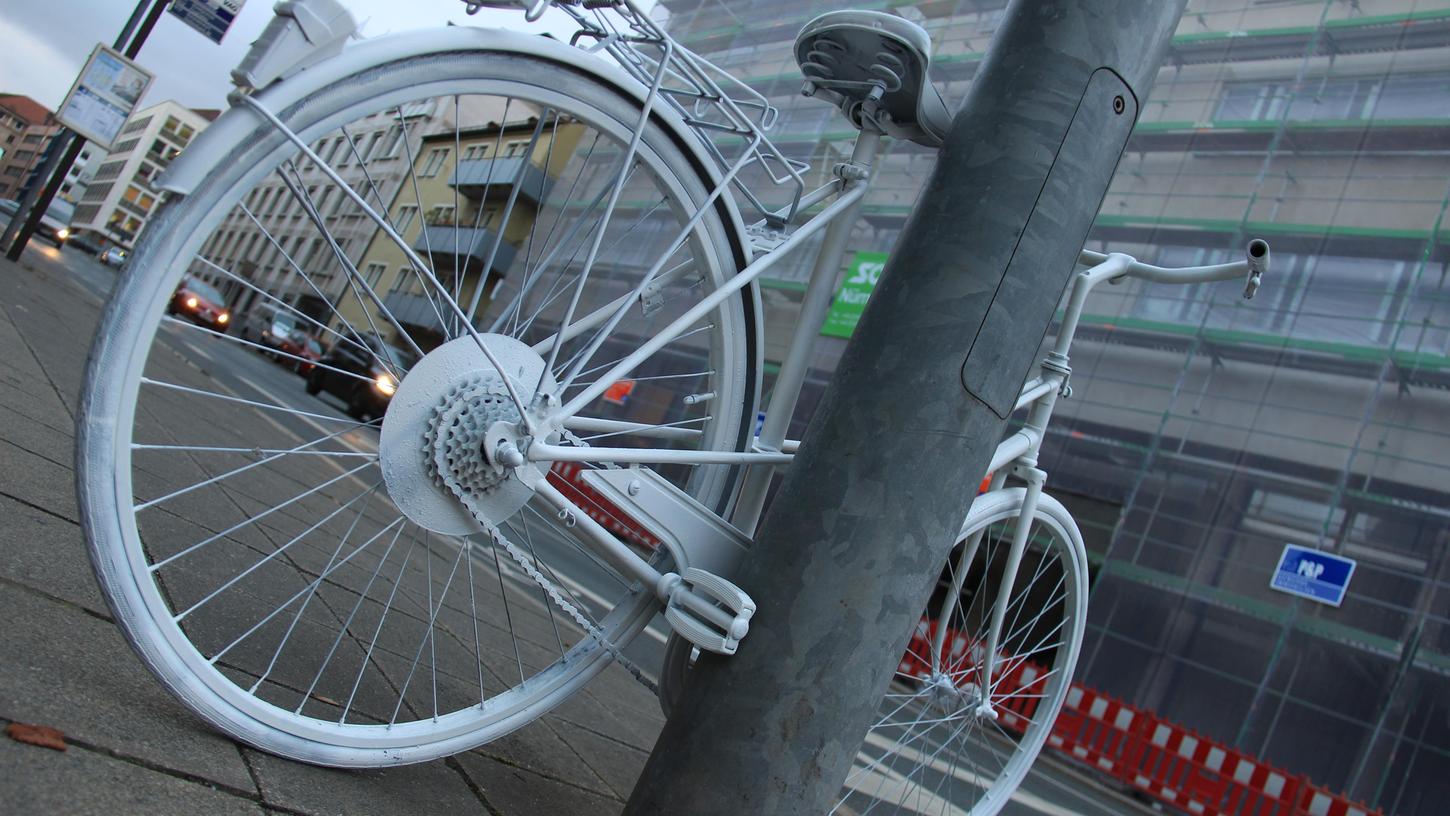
(1051, 788)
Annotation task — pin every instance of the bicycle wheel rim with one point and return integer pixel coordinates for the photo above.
(927, 752)
(108, 493)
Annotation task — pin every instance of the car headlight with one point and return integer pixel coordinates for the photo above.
(386, 385)
(62, 233)
(191, 303)
(223, 317)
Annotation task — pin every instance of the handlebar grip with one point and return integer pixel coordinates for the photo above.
(1258, 259)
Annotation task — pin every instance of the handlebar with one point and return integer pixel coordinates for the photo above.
(1254, 265)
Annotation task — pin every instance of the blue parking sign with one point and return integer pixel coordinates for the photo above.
(1313, 574)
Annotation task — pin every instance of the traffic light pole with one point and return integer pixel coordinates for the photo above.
(873, 501)
(67, 145)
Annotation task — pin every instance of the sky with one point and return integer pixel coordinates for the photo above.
(45, 44)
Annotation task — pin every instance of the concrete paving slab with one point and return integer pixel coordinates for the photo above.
(538, 748)
(81, 782)
(431, 787)
(41, 551)
(618, 763)
(37, 480)
(36, 436)
(513, 791)
(69, 670)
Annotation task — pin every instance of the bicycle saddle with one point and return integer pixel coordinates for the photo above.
(845, 53)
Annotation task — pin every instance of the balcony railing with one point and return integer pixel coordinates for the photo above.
(498, 175)
(412, 309)
(467, 242)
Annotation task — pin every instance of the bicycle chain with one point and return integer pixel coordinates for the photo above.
(457, 461)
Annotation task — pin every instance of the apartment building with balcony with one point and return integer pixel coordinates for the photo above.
(1205, 432)
(121, 195)
(272, 242)
(26, 127)
(454, 218)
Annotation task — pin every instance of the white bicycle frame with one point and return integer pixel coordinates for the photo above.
(787, 230)
(706, 548)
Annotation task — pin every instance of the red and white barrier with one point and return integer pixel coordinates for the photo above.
(1174, 764)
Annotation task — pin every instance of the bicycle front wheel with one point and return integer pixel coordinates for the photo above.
(245, 526)
(947, 739)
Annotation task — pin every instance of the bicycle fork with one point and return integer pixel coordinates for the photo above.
(1021, 531)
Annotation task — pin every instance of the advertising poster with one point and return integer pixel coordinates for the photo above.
(855, 290)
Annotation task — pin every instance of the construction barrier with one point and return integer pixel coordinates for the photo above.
(1171, 763)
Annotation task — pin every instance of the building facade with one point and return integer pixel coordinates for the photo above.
(121, 194)
(454, 216)
(272, 244)
(26, 127)
(1205, 432)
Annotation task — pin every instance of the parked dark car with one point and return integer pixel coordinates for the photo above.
(53, 225)
(367, 392)
(268, 325)
(198, 302)
(300, 344)
(86, 241)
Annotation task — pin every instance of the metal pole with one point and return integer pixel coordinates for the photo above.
(868, 510)
(66, 146)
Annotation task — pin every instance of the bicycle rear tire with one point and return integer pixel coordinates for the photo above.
(134, 560)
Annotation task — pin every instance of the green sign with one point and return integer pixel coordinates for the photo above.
(855, 290)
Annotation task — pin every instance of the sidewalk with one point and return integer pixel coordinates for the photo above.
(131, 748)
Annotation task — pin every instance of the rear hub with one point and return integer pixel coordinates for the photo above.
(444, 426)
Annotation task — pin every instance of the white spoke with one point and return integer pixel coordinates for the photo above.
(254, 519)
(301, 592)
(300, 449)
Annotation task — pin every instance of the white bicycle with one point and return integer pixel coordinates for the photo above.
(570, 356)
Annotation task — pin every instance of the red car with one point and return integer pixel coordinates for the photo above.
(198, 302)
(300, 344)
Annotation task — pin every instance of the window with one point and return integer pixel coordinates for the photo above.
(136, 124)
(515, 148)
(368, 145)
(434, 162)
(394, 142)
(277, 200)
(139, 198)
(478, 151)
(373, 274)
(109, 170)
(1414, 96)
(440, 216)
(406, 214)
(326, 149)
